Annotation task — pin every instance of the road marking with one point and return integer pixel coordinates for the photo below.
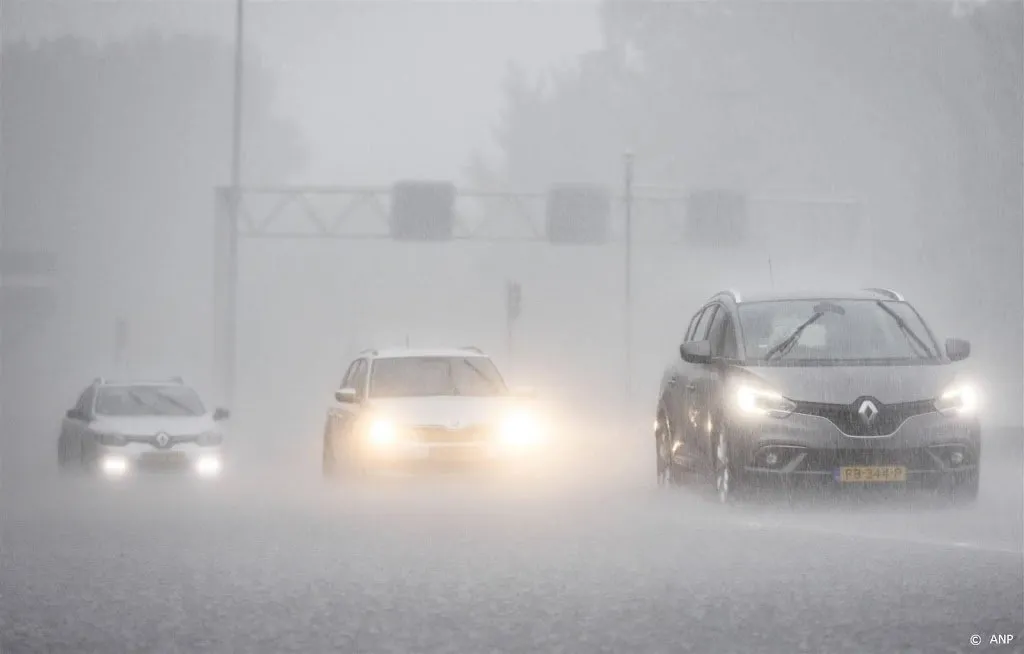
(994, 548)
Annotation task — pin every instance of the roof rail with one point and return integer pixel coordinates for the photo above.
(472, 348)
(735, 295)
(371, 351)
(887, 292)
(101, 381)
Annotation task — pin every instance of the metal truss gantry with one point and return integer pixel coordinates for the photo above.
(352, 213)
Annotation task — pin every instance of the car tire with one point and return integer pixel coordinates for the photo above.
(727, 484)
(63, 464)
(667, 472)
(964, 491)
(328, 463)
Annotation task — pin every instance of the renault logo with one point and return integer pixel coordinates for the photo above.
(162, 439)
(867, 411)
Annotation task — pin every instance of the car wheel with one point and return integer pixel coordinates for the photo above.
(964, 491)
(328, 463)
(726, 481)
(663, 461)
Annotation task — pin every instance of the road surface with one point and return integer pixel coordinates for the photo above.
(282, 563)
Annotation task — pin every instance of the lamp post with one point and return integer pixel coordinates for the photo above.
(230, 327)
(628, 304)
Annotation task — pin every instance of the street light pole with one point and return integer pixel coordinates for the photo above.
(231, 301)
(628, 306)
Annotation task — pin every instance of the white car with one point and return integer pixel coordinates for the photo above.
(119, 428)
(409, 408)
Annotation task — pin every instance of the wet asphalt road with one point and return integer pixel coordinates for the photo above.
(282, 563)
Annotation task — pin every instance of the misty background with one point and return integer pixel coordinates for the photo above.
(905, 118)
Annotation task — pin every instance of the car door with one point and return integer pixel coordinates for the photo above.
(343, 414)
(710, 384)
(82, 436)
(687, 391)
(70, 448)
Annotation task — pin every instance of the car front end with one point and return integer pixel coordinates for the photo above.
(925, 443)
(119, 455)
(491, 436)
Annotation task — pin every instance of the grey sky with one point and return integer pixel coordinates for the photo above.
(412, 86)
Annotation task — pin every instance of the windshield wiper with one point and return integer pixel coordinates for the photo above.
(141, 401)
(785, 345)
(187, 410)
(479, 373)
(908, 333)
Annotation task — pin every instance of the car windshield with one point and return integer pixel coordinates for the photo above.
(148, 401)
(434, 376)
(828, 331)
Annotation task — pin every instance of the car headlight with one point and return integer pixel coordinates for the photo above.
(753, 401)
(960, 399)
(208, 466)
(520, 430)
(113, 440)
(210, 439)
(382, 433)
(114, 466)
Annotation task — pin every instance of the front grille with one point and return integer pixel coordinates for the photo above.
(171, 442)
(168, 461)
(827, 460)
(445, 435)
(849, 421)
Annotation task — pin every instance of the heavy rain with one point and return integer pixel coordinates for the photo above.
(507, 326)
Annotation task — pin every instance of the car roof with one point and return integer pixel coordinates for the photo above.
(747, 297)
(170, 381)
(409, 352)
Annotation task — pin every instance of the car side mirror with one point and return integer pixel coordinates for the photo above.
(346, 395)
(696, 351)
(221, 414)
(957, 349)
(72, 414)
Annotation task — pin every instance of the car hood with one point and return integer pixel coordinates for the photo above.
(442, 411)
(151, 425)
(844, 384)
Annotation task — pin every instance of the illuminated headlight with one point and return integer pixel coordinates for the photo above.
(382, 433)
(958, 400)
(520, 430)
(208, 466)
(753, 401)
(115, 466)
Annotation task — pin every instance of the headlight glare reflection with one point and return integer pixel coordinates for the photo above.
(958, 400)
(753, 401)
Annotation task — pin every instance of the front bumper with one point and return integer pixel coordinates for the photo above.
(927, 451)
(139, 458)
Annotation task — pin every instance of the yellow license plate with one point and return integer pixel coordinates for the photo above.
(862, 474)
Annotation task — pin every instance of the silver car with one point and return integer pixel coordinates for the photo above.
(120, 428)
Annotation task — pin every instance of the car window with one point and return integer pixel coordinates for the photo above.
(346, 381)
(856, 330)
(358, 380)
(701, 332)
(148, 400)
(84, 404)
(723, 336)
(692, 325)
(433, 376)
